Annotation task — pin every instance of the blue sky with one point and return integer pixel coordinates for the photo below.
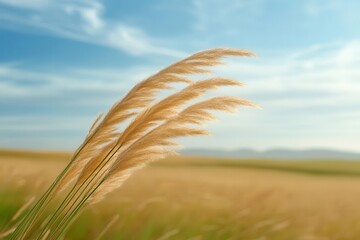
(63, 62)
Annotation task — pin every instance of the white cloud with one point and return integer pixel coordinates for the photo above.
(91, 15)
(136, 42)
(30, 4)
(310, 98)
(308, 101)
(82, 21)
(334, 70)
(15, 82)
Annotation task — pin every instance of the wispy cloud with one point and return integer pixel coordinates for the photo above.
(80, 20)
(210, 14)
(309, 98)
(30, 4)
(308, 101)
(55, 109)
(333, 72)
(18, 83)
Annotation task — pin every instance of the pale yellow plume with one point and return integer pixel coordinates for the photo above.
(105, 131)
(153, 145)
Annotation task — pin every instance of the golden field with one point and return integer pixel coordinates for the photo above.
(201, 198)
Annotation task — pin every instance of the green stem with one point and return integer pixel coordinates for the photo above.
(71, 195)
(33, 213)
(73, 214)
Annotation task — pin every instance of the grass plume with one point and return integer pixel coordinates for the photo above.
(109, 155)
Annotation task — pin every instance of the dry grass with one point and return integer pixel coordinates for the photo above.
(110, 154)
(193, 198)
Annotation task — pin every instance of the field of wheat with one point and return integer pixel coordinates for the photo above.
(202, 198)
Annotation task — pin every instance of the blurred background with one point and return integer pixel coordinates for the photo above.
(296, 171)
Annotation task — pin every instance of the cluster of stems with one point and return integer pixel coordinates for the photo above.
(33, 225)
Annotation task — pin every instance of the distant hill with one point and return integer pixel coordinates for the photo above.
(274, 153)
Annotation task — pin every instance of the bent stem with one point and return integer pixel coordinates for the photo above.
(67, 220)
(72, 194)
(29, 218)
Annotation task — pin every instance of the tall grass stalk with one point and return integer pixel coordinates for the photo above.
(108, 156)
